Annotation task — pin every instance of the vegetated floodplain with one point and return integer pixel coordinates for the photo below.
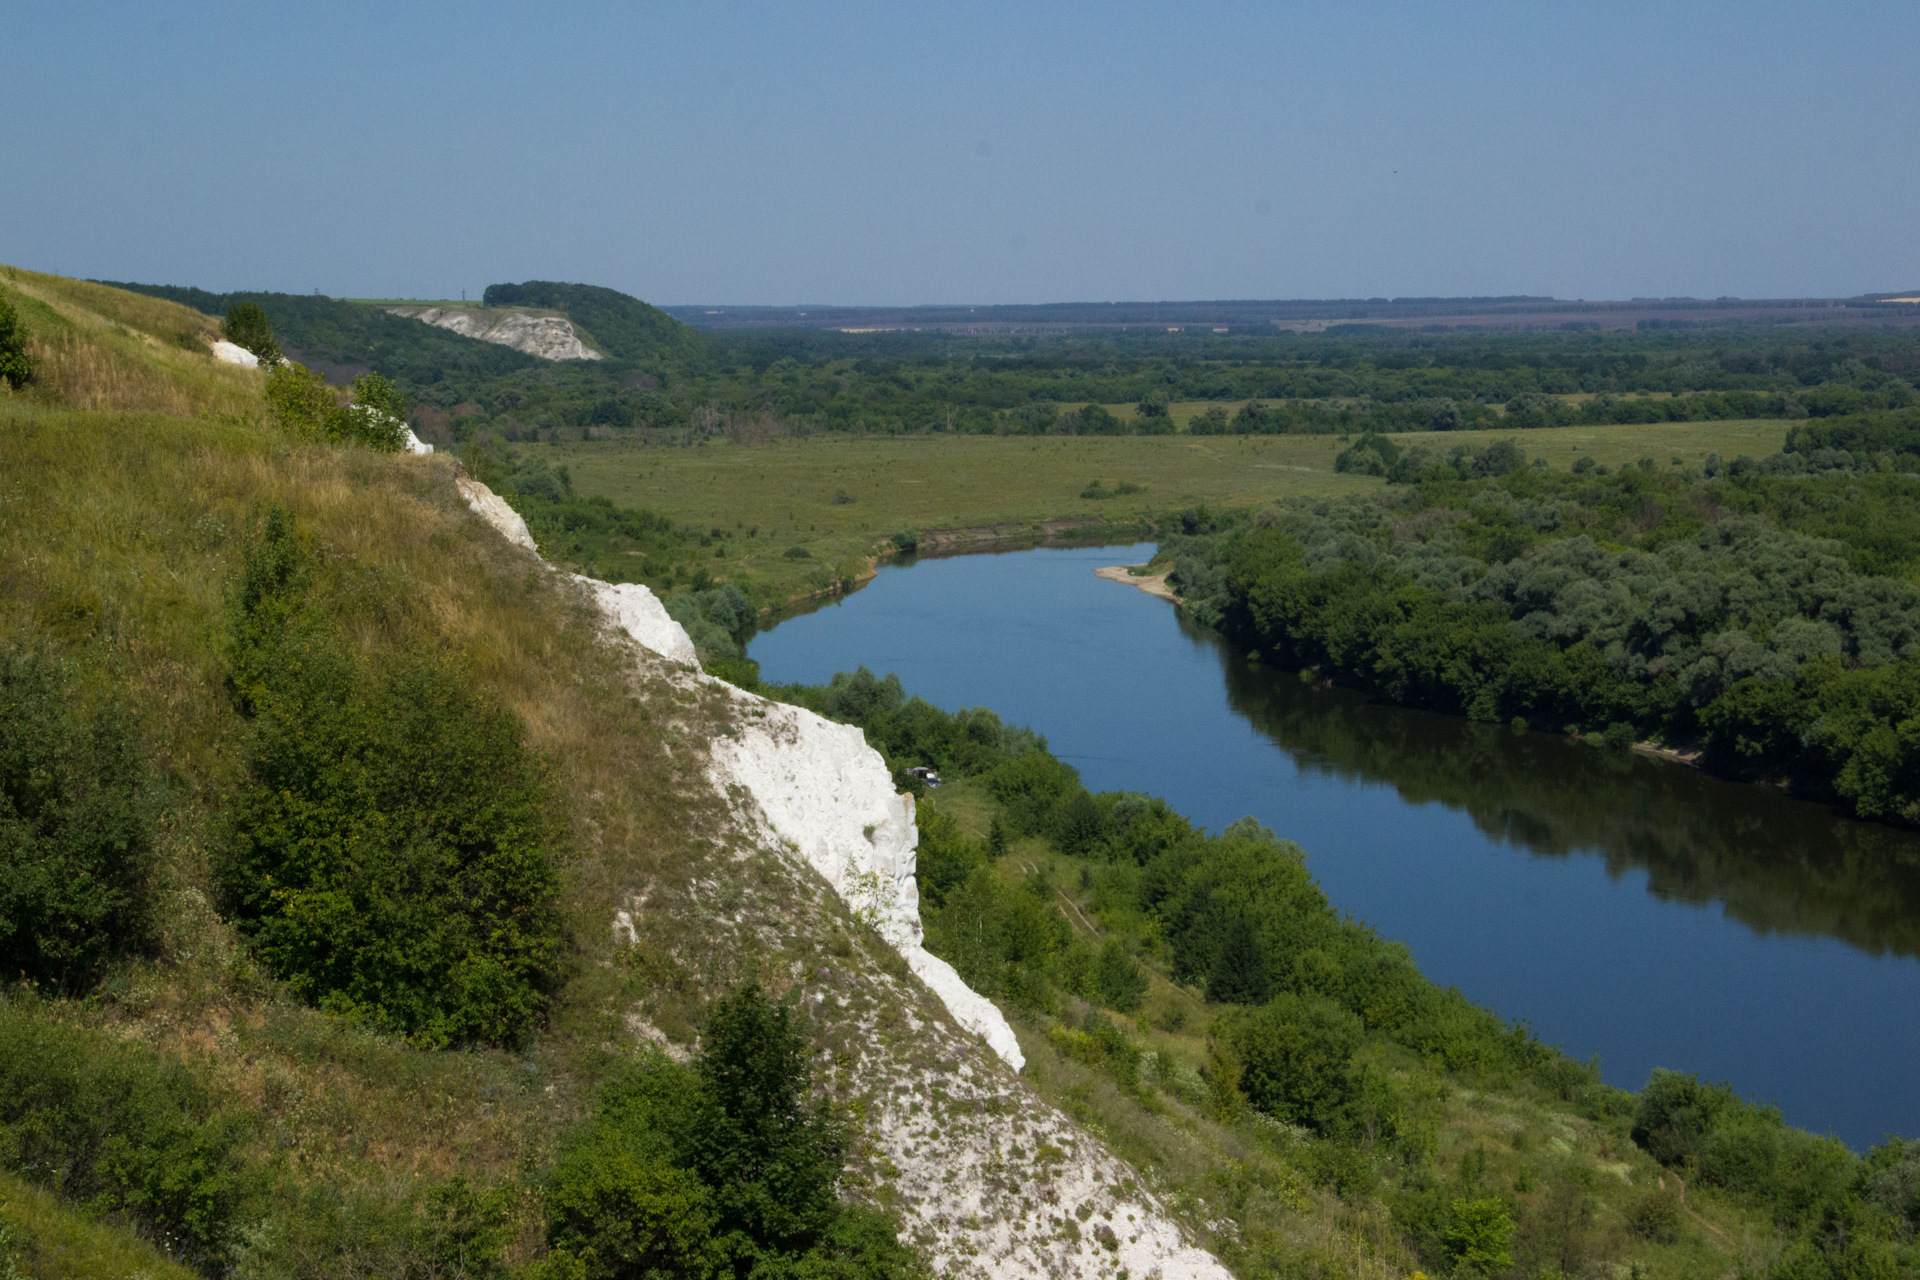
(839, 498)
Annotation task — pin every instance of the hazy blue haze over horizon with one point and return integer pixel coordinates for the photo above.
(982, 153)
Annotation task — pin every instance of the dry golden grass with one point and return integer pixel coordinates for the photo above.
(97, 348)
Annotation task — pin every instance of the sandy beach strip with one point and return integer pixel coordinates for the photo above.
(1154, 584)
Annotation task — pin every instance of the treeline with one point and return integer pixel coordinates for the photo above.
(1651, 603)
(665, 378)
(1313, 1018)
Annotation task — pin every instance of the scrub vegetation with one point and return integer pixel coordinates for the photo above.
(1196, 999)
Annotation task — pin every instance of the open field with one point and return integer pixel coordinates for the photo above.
(784, 491)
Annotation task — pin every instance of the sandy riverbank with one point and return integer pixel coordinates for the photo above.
(1154, 584)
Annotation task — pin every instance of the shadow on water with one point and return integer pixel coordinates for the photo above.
(1776, 864)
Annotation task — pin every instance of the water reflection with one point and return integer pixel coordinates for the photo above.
(1776, 864)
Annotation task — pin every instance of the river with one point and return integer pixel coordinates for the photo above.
(1625, 907)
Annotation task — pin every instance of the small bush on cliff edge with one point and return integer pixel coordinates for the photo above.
(391, 853)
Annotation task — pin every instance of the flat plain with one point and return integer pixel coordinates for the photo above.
(838, 497)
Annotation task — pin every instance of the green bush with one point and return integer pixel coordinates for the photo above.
(305, 406)
(110, 1124)
(77, 818)
(1479, 1234)
(1298, 1057)
(392, 851)
(246, 325)
(16, 368)
(721, 1169)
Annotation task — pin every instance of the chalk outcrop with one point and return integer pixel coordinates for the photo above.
(492, 508)
(232, 353)
(635, 610)
(991, 1181)
(548, 336)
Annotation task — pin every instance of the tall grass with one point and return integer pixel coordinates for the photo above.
(97, 348)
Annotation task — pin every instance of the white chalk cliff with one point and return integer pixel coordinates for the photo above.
(549, 337)
(963, 1139)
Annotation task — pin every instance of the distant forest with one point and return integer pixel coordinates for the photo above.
(665, 377)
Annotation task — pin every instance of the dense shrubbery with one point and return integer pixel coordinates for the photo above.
(121, 1131)
(724, 1169)
(1635, 604)
(305, 406)
(392, 852)
(77, 814)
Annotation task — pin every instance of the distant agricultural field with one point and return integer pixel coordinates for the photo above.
(837, 497)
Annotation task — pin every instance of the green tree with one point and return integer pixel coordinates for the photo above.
(77, 819)
(16, 367)
(246, 325)
(1117, 979)
(1479, 1237)
(392, 848)
(1298, 1052)
(1240, 974)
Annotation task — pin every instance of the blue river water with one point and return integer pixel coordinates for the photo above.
(1624, 907)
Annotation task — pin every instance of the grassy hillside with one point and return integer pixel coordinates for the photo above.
(98, 348)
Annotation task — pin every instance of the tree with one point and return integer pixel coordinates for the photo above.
(1298, 1052)
(772, 1159)
(1479, 1236)
(1240, 974)
(16, 367)
(246, 325)
(1117, 979)
(76, 831)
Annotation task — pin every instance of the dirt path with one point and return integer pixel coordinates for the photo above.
(1154, 584)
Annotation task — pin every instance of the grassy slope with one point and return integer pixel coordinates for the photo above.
(1263, 1214)
(1012, 486)
(98, 348)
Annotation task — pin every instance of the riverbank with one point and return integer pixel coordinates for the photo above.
(1154, 584)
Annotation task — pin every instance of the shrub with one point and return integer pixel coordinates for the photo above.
(1118, 980)
(720, 1169)
(16, 368)
(1479, 1234)
(76, 831)
(1656, 1217)
(391, 852)
(120, 1130)
(246, 325)
(1298, 1053)
(305, 406)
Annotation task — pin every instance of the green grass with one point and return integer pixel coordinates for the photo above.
(968, 490)
(52, 1241)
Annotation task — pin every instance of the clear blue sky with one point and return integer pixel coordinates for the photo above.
(1028, 152)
